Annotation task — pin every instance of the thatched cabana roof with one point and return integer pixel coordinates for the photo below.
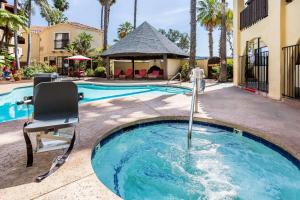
(145, 42)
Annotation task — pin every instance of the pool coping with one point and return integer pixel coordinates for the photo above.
(251, 133)
(16, 86)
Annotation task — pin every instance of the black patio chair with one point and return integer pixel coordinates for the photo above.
(55, 108)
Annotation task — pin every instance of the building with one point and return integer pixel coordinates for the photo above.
(267, 46)
(48, 43)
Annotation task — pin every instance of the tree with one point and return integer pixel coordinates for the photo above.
(223, 53)
(10, 22)
(102, 3)
(61, 5)
(124, 29)
(52, 15)
(229, 29)
(27, 11)
(182, 40)
(81, 45)
(16, 49)
(135, 13)
(192, 61)
(208, 11)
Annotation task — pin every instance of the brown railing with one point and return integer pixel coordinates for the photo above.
(254, 12)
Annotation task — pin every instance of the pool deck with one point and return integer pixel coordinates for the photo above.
(276, 121)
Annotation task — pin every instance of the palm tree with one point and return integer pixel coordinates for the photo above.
(52, 15)
(61, 5)
(229, 28)
(124, 29)
(135, 13)
(10, 22)
(81, 45)
(16, 37)
(208, 17)
(102, 3)
(192, 62)
(223, 53)
(28, 12)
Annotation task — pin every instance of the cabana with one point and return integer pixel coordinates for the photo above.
(145, 43)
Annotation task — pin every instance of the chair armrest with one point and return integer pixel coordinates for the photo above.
(27, 100)
(80, 96)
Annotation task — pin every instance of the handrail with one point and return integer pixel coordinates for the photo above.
(180, 78)
(193, 108)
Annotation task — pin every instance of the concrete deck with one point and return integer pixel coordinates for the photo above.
(276, 121)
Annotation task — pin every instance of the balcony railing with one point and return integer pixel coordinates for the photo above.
(254, 12)
(61, 44)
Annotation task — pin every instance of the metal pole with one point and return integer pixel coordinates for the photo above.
(197, 95)
(192, 115)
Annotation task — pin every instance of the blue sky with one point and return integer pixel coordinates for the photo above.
(160, 13)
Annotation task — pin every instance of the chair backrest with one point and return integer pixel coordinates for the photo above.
(129, 72)
(117, 72)
(143, 72)
(155, 73)
(44, 77)
(55, 99)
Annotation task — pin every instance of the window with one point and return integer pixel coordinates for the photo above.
(61, 40)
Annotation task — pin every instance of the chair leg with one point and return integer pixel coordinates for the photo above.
(28, 147)
(59, 161)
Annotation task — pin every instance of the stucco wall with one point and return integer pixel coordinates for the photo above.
(199, 63)
(281, 28)
(35, 50)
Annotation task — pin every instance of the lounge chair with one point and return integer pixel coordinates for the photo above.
(54, 109)
(154, 74)
(128, 73)
(117, 73)
(142, 74)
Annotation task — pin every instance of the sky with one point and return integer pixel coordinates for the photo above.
(164, 14)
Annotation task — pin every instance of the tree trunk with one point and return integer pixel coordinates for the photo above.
(2, 40)
(106, 61)
(210, 42)
(16, 37)
(223, 54)
(29, 33)
(192, 62)
(135, 13)
(102, 12)
(229, 40)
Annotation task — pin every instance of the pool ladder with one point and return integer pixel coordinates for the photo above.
(174, 77)
(194, 109)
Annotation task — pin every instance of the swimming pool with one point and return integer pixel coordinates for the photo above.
(151, 161)
(10, 111)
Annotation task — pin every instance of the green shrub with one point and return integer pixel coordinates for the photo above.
(184, 69)
(90, 72)
(100, 72)
(230, 71)
(31, 70)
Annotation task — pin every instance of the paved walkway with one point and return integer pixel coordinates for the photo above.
(270, 119)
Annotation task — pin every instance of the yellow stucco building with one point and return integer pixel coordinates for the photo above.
(48, 43)
(266, 46)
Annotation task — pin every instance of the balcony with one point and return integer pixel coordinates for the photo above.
(255, 11)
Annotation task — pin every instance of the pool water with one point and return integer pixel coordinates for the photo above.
(10, 111)
(152, 162)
